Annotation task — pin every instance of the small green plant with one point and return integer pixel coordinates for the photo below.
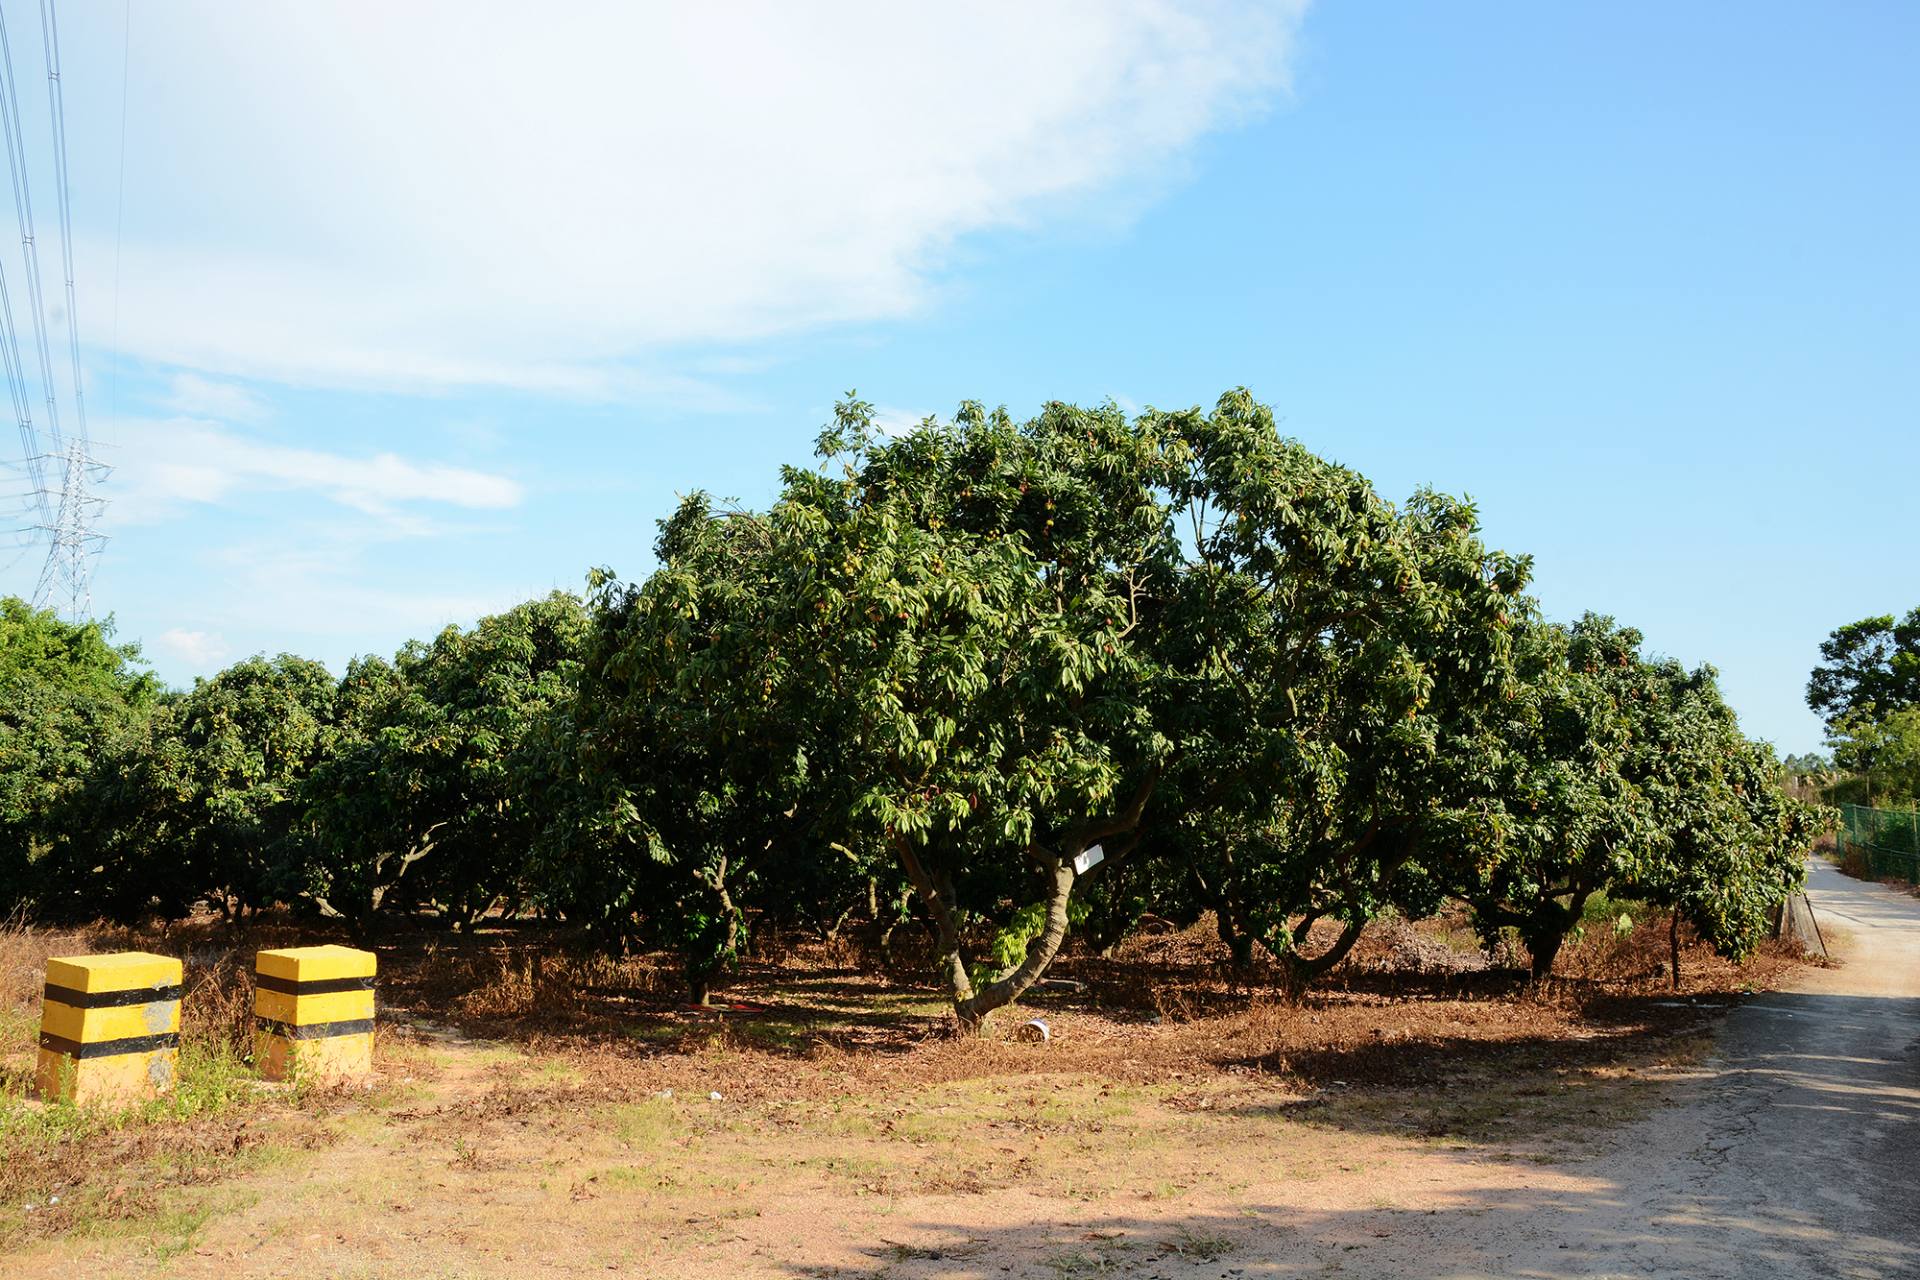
(209, 1078)
(1075, 1263)
(645, 1125)
(897, 1252)
(1189, 1243)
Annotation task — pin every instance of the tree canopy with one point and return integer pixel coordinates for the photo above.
(68, 695)
(438, 761)
(1881, 751)
(1868, 669)
(1010, 677)
(1626, 774)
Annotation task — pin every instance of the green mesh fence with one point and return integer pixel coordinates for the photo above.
(1887, 839)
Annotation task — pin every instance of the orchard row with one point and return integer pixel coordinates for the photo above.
(1008, 678)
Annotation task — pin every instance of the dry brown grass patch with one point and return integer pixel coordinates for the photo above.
(505, 1032)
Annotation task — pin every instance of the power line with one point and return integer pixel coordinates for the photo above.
(69, 524)
(9, 333)
(29, 246)
(57, 102)
(23, 414)
(119, 207)
(22, 409)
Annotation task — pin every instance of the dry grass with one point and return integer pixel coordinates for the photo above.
(506, 1033)
(24, 952)
(64, 1167)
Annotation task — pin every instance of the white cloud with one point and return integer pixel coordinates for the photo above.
(195, 396)
(199, 650)
(322, 591)
(560, 197)
(897, 422)
(163, 466)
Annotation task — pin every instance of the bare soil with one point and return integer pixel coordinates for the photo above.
(537, 1114)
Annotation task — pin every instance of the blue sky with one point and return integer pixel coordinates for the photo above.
(404, 319)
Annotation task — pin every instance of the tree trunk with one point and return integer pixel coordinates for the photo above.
(712, 952)
(1673, 946)
(1304, 969)
(1238, 942)
(1105, 938)
(1543, 946)
(973, 1011)
(938, 895)
(831, 933)
(880, 927)
(972, 1007)
(1546, 931)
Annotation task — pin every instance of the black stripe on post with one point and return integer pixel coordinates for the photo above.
(316, 1030)
(109, 1048)
(315, 987)
(109, 999)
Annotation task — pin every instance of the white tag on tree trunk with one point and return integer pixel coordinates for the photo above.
(1088, 859)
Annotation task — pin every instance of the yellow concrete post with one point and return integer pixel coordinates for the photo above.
(109, 1027)
(314, 1006)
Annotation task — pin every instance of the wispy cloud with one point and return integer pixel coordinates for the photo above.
(570, 199)
(166, 466)
(199, 651)
(323, 590)
(897, 422)
(198, 397)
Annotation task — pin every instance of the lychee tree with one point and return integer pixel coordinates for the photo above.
(692, 775)
(989, 645)
(1340, 645)
(1614, 772)
(434, 787)
(983, 607)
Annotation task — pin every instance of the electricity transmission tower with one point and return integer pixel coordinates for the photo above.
(66, 579)
(63, 503)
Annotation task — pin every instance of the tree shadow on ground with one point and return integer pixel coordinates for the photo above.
(1599, 1229)
(1787, 1155)
(524, 984)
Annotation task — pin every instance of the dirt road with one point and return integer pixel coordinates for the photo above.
(1802, 1156)
(1796, 1154)
(1798, 1157)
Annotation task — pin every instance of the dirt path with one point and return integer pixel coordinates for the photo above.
(1796, 1158)
(1791, 1152)
(1793, 1155)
